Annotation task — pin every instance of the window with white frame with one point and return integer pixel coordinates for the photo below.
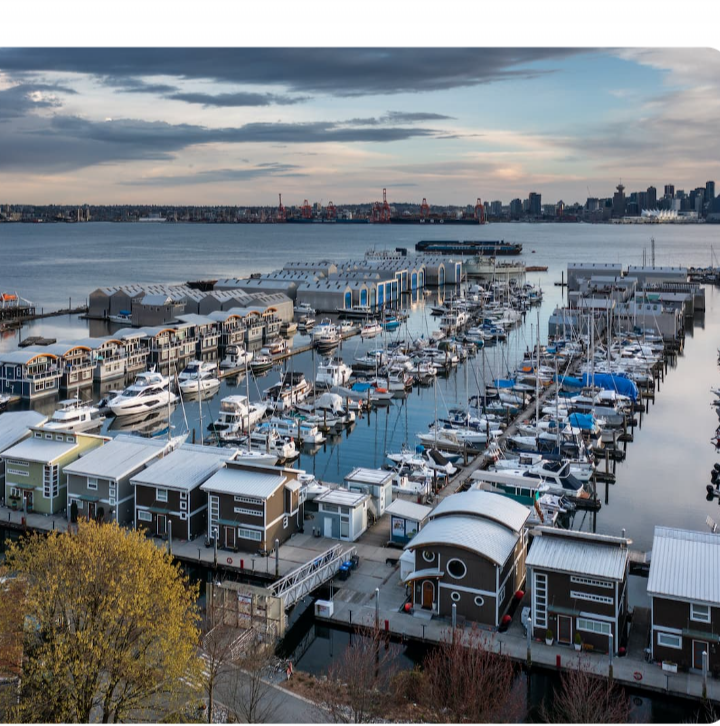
(183, 506)
(285, 522)
(589, 581)
(183, 516)
(249, 512)
(700, 613)
(668, 640)
(183, 495)
(479, 601)
(456, 568)
(501, 594)
(144, 516)
(455, 596)
(591, 597)
(162, 495)
(593, 626)
(58, 437)
(428, 556)
(249, 534)
(92, 483)
(16, 472)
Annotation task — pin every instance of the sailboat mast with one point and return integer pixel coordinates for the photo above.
(202, 435)
(537, 372)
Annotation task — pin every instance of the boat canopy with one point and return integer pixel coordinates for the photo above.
(613, 382)
(583, 421)
(361, 387)
(504, 382)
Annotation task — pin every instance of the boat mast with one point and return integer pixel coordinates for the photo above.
(537, 373)
(199, 379)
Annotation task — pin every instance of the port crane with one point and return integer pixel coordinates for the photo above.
(330, 211)
(281, 210)
(306, 210)
(424, 209)
(480, 211)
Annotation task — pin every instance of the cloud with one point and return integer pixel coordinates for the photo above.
(128, 84)
(230, 100)
(399, 117)
(334, 71)
(209, 176)
(19, 100)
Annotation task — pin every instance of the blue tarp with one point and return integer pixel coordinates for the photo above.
(583, 421)
(613, 382)
(504, 382)
(361, 387)
(570, 382)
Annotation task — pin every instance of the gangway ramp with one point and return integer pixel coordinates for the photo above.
(308, 577)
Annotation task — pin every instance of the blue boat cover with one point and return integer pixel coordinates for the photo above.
(583, 421)
(613, 382)
(570, 382)
(361, 387)
(504, 382)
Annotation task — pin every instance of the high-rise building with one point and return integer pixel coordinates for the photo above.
(669, 191)
(592, 204)
(642, 201)
(618, 205)
(516, 208)
(651, 198)
(535, 205)
(496, 208)
(709, 191)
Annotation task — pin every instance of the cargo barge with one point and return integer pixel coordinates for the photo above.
(469, 247)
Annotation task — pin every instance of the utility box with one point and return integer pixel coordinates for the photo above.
(324, 608)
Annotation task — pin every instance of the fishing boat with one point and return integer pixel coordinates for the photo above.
(150, 390)
(74, 415)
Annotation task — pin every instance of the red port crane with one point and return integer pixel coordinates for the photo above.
(330, 211)
(381, 211)
(480, 211)
(281, 210)
(424, 209)
(306, 210)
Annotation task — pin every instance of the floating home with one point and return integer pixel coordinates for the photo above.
(76, 363)
(341, 514)
(15, 426)
(406, 520)
(30, 373)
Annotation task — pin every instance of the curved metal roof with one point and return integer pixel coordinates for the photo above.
(488, 505)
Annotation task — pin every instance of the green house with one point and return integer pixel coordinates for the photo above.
(34, 469)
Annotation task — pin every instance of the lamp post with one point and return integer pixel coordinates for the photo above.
(704, 673)
(377, 607)
(611, 647)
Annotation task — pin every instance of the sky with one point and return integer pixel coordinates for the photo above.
(239, 126)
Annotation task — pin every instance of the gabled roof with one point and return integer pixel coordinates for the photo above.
(375, 477)
(486, 538)
(40, 450)
(342, 497)
(579, 553)
(15, 425)
(685, 565)
(488, 505)
(409, 510)
(23, 357)
(244, 482)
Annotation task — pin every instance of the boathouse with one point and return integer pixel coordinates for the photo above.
(341, 514)
(169, 490)
(251, 506)
(206, 332)
(579, 587)
(684, 590)
(30, 373)
(35, 468)
(470, 554)
(157, 308)
(375, 482)
(99, 483)
(406, 520)
(231, 326)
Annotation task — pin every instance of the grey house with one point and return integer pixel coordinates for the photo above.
(169, 490)
(14, 428)
(375, 482)
(101, 479)
(342, 514)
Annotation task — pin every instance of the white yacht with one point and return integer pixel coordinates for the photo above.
(278, 346)
(371, 329)
(236, 356)
(151, 390)
(581, 470)
(74, 415)
(200, 383)
(292, 389)
(236, 415)
(266, 438)
(195, 367)
(326, 334)
(304, 308)
(262, 363)
(307, 432)
(332, 372)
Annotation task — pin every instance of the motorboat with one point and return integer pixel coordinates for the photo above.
(261, 363)
(236, 416)
(422, 457)
(292, 389)
(522, 484)
(75, 415)
(327, 410)
(306, 322)
(326, 334)
(348, 328)
(236, 356)
(361, 312)
(582, 471)
(304, 308)
(306, 432)
(195, 367)
(288, 328)
(361, 389)
(370, 329)
(201, 383)
(103, 405)
(332, 372)
(465, 435)
(150, 390)
(262, 458)
(267, 438)
(274, 348)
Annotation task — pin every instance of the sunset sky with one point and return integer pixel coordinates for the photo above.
(224, 126)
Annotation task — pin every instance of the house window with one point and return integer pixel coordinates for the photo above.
(249, 512)
(589, 581)
(592, 598)
(162, 495)
(429, 556)
(183, 505)
(501, 594)
(456, 569)
(285, 522)
(183, 495)
(92, 483)
(455, 596)
(144, 516)
(669, 641)
(700, 613)
(17, 472)
(479, 601)
(248, 500)
(249, 534)
(593, 626)
(183, 516)
(330, 507)
(58, 438)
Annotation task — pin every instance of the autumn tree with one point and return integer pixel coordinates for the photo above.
(584, 697)
(464, 681)
(110, 627)
(359, 682)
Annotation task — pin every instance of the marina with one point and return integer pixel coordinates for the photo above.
(469, 370)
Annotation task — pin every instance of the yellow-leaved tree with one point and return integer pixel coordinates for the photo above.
(110, 627)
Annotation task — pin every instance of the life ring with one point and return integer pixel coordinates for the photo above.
(637, 676)
(229, 560)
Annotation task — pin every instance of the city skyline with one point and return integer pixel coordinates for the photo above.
(239, 126)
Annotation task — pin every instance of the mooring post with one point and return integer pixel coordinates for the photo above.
(169, 535)
(377, 607)
(277, 558)
(529, 642)
(611, 647)
(454, 620)
(704, 674)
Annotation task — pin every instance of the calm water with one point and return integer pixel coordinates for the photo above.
(663, 478)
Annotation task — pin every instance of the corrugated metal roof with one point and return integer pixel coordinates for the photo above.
(409, 510)
(185, 468)
(583, 556)
(685, 564)
(243, 482)
(488, 539)
(15, 425)
(23, 356)
(39, 450)
(476, 502)
(369, 476)
(342, 497)
(118, 458)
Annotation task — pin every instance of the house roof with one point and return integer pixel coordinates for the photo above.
(245, 482)
(409, 510)
(369, 476)
(23, 357)
(185, 468)
(15, 425)
(488, 539)
(40, 450)
(194, 319)
(118, 458)
(342, 497)
(685, 564)
(579, 553)
(491, 506)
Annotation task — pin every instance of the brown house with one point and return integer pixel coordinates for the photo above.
(684, 589)
(470, 554)
(579, 586)
(169, 490)
(252, 505)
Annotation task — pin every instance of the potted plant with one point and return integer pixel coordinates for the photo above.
(14, 502)
(548, 637)
(578, 642)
